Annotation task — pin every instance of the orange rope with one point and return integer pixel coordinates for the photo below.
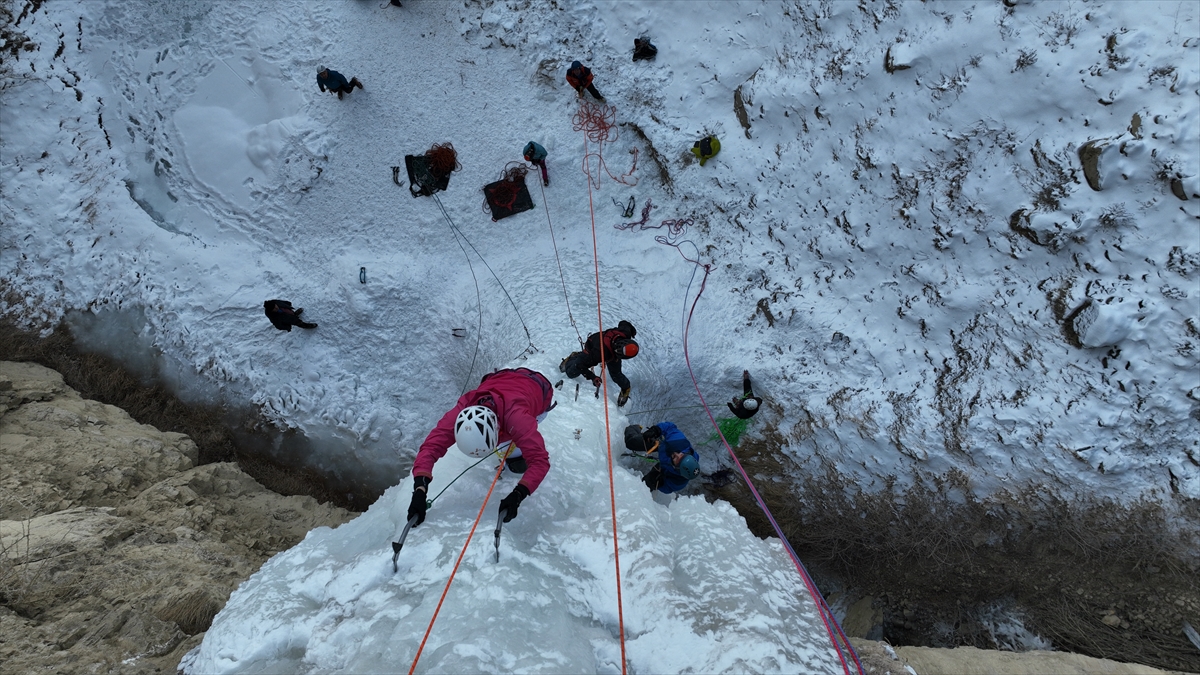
(599, 124)
(612, 493)
(449, 581)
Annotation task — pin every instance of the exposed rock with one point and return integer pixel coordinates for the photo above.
(115, 550)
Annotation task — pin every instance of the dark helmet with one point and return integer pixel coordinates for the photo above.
(576, 64)
(626, 349)
(627, 328)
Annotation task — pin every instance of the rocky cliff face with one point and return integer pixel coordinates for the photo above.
(115, 549)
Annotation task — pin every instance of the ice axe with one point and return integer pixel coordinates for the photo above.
(397, 545)
(499, 524)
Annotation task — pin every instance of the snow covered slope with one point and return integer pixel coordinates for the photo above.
(901, 228)
(700, 593)
(916, 236)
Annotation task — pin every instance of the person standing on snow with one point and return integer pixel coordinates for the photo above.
(678, 462)
(336, 82)
(282, 315)
(579, 77)
(503, 412)
(536, 155)
(615, 344)
(747, 404)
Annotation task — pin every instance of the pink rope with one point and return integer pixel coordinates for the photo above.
(822, 608)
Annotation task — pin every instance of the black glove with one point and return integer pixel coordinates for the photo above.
(508, 505)
(654, 479)
(633, 438)
(420, 503)
(652, 434)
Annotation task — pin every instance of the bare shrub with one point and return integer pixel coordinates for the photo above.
(1024, 60)
(192, 612)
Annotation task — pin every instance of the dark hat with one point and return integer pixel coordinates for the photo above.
(576, 64)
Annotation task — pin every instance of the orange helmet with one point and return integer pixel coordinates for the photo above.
(626, 349)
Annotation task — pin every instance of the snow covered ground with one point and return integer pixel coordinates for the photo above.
(942, 236)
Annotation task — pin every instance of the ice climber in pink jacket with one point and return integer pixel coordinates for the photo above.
(503, 411)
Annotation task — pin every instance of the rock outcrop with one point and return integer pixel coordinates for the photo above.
(115, 549)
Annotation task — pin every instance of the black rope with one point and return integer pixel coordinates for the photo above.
(563, 278)
(454, 228)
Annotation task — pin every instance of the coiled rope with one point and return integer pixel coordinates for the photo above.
(599, 124)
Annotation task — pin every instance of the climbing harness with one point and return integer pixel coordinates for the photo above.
(627, 209)
(637, 223)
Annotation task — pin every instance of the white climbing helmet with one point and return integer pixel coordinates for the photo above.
(475, 431)
(750, 404)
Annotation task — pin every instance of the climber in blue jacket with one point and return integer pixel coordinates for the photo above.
(678, 462)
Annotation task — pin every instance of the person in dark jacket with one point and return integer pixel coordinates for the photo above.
(615, 344)
(282, 315)
(536, 155)
(678, 462)
(747, 404)
(336, 82)
(579, 76)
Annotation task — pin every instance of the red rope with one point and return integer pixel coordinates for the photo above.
(599, 124)
(823, 609)
(456, 562)
(612, 493)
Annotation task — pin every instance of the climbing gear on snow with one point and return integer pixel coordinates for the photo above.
(396, 176)
(627, 210)
(458, 332)
(509, 195)
(362, 275)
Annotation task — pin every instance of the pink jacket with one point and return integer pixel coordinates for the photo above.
(518, 396)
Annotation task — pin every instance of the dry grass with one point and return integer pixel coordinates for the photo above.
(192, 612)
